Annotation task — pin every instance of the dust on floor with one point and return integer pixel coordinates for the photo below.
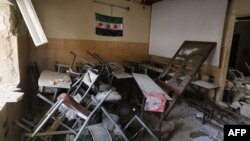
(183, 125)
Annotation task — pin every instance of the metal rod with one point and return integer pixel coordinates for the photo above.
(142, 107)
(78, 87)
(91, 114)
(95, 56)
(145, 126)
(48, 115)
(104, 3)
(116, 126)
(22, 126)
(52, 133)
(76, 55)
(137, 134)
(127, 125)
(27, 129)
(64, 125)
(28, 122)
(74, 58)
(90, 86)
(45, 99)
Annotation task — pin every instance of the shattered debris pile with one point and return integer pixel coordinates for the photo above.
(238, 87)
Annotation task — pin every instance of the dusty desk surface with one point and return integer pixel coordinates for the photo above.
(205, 84)
(147, 85)
(160, 70)
(122, 75)
(54, 79)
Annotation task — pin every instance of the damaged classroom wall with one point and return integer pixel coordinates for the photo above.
(235, 8)
(8, 41)
(70, 26)
(68, 31)
(14, 61)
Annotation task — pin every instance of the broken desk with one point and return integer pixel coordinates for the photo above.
(53, 81)
(148, 86)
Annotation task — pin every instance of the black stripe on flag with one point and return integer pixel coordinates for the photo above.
(108, 32)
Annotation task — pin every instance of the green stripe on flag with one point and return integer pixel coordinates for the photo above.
(108, 19)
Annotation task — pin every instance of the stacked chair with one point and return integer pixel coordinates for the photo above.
(86, 107)
(86, 100)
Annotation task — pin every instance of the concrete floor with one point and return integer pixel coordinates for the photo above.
(183, 125)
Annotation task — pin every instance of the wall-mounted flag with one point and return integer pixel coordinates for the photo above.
(109, 26)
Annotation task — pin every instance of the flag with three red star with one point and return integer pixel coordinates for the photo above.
(108, 25)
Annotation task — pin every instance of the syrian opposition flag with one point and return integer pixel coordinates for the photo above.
(108, 26)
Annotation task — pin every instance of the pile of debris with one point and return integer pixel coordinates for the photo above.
(239, 92)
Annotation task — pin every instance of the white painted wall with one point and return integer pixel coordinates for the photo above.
(75, 19)
(174, 21)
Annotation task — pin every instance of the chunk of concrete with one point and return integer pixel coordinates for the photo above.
(245, 110)
(235, 105)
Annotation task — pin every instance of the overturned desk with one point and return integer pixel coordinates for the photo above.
(50, 82)
(154, 98)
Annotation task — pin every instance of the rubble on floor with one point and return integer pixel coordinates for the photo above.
(238, 97)
(183, 124)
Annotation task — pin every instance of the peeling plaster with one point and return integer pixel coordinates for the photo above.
(2, 25)
(7, 19)
(8, 2)
(9, 69)
(9, 61)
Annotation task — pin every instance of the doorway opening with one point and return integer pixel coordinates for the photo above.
(240, 50)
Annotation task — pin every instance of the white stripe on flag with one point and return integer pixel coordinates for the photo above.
(111, 26)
